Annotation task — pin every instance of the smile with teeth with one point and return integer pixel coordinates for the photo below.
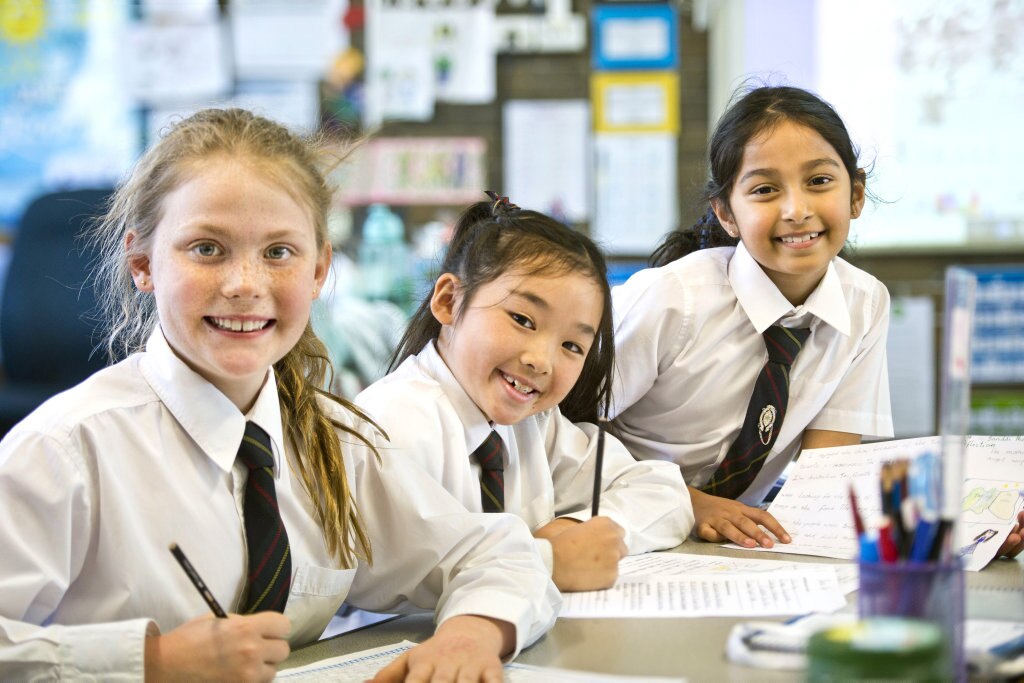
(797, 239)
(233, 325)
(519, 386)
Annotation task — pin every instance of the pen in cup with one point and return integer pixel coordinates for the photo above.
(601, 425)
(197, 581)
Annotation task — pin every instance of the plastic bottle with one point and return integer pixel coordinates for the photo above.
(384, 256)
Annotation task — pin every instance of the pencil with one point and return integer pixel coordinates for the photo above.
(197, 581)
(858, 522)
(601, 421)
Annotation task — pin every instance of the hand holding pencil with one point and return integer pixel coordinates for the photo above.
(237, 648)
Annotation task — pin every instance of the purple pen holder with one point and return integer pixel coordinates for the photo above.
(930, 591)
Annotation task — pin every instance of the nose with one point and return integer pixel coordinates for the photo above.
(538, 356)
(244, 278)
(797, 207)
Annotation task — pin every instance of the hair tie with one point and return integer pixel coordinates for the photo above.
(705, 229)
(500, 201)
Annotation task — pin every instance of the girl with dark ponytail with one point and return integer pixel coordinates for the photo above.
(507, 354)
(761, 270)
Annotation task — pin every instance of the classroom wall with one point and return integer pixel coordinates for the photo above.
(720, 44)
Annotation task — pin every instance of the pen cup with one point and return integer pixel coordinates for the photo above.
(929, 591)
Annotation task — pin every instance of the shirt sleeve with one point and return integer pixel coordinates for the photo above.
(647, 498)
(45, 491)
(649, 314)
(861, 404)
(430, 553)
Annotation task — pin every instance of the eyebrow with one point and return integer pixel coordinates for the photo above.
(770, 172)
(541, 302)
(272, 235)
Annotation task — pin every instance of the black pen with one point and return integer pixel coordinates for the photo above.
(601, 421)
(197, 581)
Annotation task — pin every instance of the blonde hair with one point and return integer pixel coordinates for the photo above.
(130, 316)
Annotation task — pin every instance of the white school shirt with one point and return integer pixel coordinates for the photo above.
(549, 467)
(97, 483)
(688, 349)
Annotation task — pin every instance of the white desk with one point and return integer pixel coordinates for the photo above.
(693, 648)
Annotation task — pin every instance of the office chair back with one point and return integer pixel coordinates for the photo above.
(46, 331)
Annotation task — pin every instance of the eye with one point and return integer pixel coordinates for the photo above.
(821, 180)
(573, 347)
(522, 320)
(279, 252)
(206, 249)
(763, 190)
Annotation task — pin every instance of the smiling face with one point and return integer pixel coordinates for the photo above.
(520, 343)
(791, 205)
(234, 266)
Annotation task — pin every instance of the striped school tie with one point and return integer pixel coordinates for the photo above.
(764, 417)
(270, 563)
(490, 455)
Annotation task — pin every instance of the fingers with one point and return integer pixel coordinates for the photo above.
(395, 671)
(720, 519)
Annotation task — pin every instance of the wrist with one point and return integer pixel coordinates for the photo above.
(494, 635)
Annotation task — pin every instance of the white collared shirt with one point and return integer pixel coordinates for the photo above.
(99, 480)
(549, 467)
(688, 349)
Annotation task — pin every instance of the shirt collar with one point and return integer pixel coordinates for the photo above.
(206, 414)
(765, 305)
(475, 423)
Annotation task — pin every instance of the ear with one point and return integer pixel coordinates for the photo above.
(138, 263)
(323, 268)
(444, 300)
(858, 193)
(725, 217)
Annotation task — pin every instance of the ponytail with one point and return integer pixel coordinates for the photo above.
(321, 463)
(705, 233)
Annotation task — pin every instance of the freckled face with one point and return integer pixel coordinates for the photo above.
(791, 205)
(234, 266)
(520, 344)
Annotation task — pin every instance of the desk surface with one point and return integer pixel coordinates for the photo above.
(693, 648)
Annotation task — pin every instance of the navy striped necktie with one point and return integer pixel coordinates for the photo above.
(270, 563)
(490, 455)
(765, 413)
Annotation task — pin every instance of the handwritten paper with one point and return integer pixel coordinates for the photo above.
(814, 504)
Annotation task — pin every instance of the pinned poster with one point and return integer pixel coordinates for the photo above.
(547, 155)
(176, 62)
(287, 38)
(635, 36)
(417, 55)
(634, 191)
(635, 102)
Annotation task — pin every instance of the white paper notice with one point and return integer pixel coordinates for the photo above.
(635, 191)
(548, 156)
(287, 38)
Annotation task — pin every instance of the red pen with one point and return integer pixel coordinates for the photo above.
(886, 544)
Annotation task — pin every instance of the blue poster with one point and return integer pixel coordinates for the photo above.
(66, 121)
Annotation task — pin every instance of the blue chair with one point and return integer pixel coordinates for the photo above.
(46, 331)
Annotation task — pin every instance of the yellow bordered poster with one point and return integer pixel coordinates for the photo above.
(635, 101)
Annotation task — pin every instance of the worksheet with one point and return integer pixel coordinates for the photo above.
(796, 589)
(361, 666)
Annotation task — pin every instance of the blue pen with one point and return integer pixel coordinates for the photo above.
(869, 546)
(924, 537)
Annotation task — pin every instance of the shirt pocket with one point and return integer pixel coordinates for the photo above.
(315, 596)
